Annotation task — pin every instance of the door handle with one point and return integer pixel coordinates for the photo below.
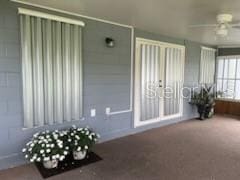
(160, 83)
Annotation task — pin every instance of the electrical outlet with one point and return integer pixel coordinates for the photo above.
(93, 112)
(108, 110)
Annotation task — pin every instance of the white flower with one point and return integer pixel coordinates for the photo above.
(48, 145)
(90, 137)
(57, 155)
(31, 145)
(48, 136)
(48, 150)
(30, 149)
(38, 159)
(31, 160)
(55, 136)
(54, 157)
(46, 159)
(30, 142)
(87, 132)
(62, 158)
(26, 156)
(67, 148)
(43, 145)
(24, 150)
(79, 148)
(52, 145)
(41, 151)
(72, 134)
(36, 135)
(65, 152)
(85, 147)
(69, 140)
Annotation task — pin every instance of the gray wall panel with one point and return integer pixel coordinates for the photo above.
(107, 76)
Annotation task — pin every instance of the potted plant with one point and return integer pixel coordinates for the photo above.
(47, 147)
(81, 141)
(205, 101)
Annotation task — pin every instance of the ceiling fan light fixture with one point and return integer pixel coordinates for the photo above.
(224, 18)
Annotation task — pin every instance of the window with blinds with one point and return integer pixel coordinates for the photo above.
(207, 65)
(51, 68)
(228, 77)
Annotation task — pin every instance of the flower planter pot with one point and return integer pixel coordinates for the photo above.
(205, 111)
(79, 155)
(50, 164)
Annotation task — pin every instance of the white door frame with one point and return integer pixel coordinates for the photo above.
(137, 84)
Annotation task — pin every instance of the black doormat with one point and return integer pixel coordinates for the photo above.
(68, 164)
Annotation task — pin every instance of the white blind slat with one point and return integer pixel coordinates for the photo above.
(51, 70)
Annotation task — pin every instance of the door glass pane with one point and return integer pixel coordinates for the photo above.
(220, 68)
(172, 81)
(231, 68)
(150, 61)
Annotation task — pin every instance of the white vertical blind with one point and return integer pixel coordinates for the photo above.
(52, 71)
(207, 65)
(173, 80)
(150, 63)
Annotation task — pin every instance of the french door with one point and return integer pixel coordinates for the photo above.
(159, 73)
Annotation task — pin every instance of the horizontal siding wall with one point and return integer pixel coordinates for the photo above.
(107, 79)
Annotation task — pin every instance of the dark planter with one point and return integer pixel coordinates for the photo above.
(205, 111)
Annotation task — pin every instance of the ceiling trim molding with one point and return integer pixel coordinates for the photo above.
(70, 13)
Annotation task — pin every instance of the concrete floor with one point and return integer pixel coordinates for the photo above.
(192, 150)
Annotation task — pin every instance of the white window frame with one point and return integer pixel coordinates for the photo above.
(235, 79)
(163, 45)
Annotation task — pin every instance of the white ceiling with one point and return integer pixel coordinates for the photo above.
(167, 17)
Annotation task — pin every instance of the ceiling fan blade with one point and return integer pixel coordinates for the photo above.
(202, 25)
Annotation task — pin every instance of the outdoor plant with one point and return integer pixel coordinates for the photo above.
(47, 147)
(205, 101)
(81, 141)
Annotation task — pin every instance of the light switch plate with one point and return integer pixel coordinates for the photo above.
(93, 112)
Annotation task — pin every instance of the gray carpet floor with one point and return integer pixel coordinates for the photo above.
(191, 150)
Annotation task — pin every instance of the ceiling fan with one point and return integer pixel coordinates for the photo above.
(224, 23)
